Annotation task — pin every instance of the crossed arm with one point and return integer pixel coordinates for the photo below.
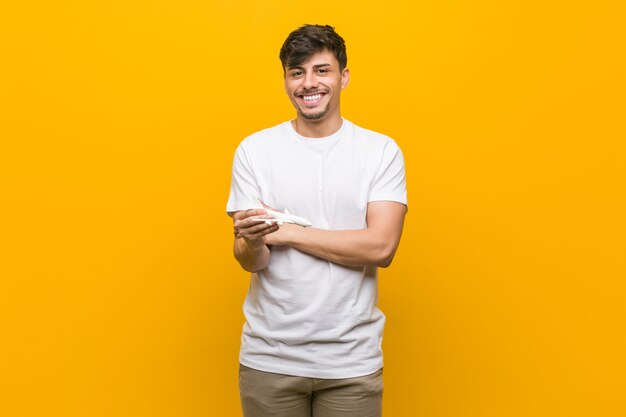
(374, 246)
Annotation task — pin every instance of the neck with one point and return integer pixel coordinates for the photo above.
(317, 128)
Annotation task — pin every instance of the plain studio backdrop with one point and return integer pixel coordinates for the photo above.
(119, 295)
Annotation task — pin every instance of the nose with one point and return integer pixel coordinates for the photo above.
(309, 81)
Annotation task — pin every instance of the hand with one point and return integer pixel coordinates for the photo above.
(252, 231)
(283, 235)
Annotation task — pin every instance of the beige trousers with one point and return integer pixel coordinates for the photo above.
(266, 394)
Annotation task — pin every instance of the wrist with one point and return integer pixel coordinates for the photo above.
(292, 232)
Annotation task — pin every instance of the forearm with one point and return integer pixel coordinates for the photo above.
(252, 259)
(373, 246)
(346, 247)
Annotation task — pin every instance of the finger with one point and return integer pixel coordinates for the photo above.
(250, 222)
(254, 228)
(243, 214)
(255, 212)
(265, 232)
(239, 215)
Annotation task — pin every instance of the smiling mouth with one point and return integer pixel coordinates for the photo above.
(311, 99)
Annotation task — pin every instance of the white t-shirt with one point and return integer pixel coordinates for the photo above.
(306, 316)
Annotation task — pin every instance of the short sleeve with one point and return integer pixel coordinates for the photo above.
(389, 183)
(243, 186)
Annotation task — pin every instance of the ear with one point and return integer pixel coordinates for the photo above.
(345, 78)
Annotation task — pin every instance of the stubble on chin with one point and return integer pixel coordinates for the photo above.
(313, 116)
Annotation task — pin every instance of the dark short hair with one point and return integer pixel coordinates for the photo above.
(307, 40)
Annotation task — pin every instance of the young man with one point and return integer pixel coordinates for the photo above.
(311, 344)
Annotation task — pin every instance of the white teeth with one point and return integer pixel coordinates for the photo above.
(312, 98)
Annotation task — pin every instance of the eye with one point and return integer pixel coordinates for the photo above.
(296, 73)
(322, 71)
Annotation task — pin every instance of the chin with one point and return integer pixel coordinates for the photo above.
(314, 115)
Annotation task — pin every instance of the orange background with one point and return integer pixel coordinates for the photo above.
(119, 295)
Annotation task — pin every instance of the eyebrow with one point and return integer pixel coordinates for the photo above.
(314, 66)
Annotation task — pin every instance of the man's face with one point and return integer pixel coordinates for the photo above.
(315, 85)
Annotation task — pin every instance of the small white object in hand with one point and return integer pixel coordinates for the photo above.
(281, 218)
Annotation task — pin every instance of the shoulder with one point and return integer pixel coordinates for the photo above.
(371, 139)
(265, 137)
